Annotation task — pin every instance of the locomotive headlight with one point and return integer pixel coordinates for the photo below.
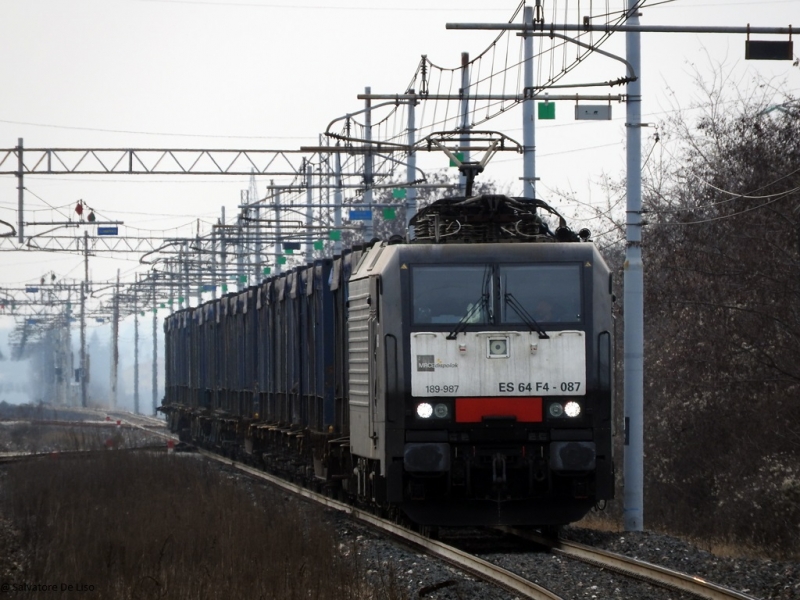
(572, 409)
(440, 410)
(556, 410)
(425, 410)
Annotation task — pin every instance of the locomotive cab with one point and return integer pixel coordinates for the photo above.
(491, 366)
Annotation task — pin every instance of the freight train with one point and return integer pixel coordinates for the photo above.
(462, 377)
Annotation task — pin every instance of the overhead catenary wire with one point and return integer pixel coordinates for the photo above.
(487, 73)
(736, 214)
(733, 195)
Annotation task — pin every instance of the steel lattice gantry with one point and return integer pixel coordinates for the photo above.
(20, 161)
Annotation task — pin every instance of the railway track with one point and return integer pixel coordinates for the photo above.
(506, 579)
(142, 421)
(485, 570)
(631, 567)
(99, 421)
(9, 457)
(466, 561)
(463, 561)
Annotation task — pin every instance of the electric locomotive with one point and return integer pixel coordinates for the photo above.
(463, 378)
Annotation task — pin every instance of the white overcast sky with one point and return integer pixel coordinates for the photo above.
(272, 74)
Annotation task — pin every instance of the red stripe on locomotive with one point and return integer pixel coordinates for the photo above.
(524, 409)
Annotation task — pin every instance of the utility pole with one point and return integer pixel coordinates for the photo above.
(20, 191)
(155, 348)
(369, 231)
(68, 361)
(309, 213)
(223, 250)
(634, 290)
(528, 116)
(464, 115)
(171, 274)
(115, 346)
(199, 259)
(178, 270)
(337, 201)
(252, 198)
(325, 176)
(84, 290)
(185, 265)
(240, 249)
(278, 240)
(259, 269)
(136, 349)
(214, 259)
(411, 169)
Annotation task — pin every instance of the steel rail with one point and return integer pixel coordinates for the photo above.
(635, 568)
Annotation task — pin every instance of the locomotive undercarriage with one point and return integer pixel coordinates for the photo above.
(316, 460)
(484, 484)
(497, 484)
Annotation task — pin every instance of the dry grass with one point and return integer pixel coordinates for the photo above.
(725, 548)
(600, 522)
(169, 526)
(39, 438)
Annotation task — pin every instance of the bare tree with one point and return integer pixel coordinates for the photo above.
(722, 318)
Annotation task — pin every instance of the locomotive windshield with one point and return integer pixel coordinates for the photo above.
(448, 294)
(452, 293)
(548, 293)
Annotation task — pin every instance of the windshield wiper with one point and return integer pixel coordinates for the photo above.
(461, 325)
(527, 319)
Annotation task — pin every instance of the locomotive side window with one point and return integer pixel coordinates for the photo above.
(449, 294)
(548, 293)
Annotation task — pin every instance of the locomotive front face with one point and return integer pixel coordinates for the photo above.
(513, 356)
(503, 382)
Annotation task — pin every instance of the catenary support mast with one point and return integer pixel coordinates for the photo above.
(634, 290)
(115, 348)
(155, 348)
(411, 171)
(84, 371)
(369, 230)
(528, 117)
(135, 351)
(464, 91)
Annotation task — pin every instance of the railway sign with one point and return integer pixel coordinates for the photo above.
(768, 50)
(593, 112)
(360, 215)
